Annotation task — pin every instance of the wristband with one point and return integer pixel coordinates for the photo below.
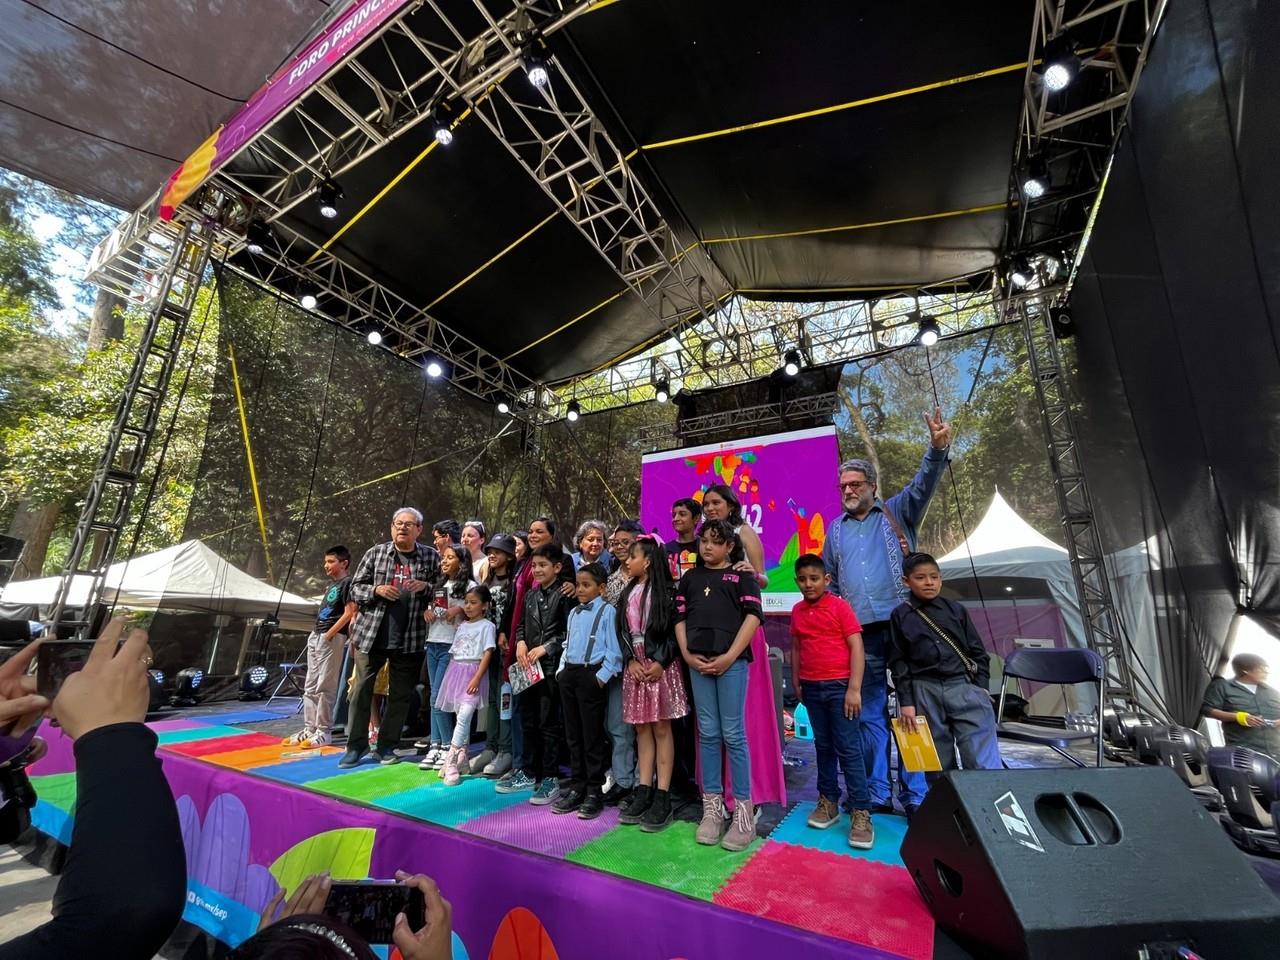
(1242, 718)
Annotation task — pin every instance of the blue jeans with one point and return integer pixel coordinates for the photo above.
(874, 723)
(623, 736)
(836, 738)
(437, 664)
(721, 704)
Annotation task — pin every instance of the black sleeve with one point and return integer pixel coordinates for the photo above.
(749, 600)
(125, 881)
(974, 647)
(900, 660)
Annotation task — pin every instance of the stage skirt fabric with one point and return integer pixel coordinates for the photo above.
(664, 699)
(453, 688)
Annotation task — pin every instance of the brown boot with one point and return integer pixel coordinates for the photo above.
(711, 829)
(862, 836)
(825, 814)
(743, 829)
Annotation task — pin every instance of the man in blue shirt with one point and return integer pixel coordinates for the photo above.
(863, 553)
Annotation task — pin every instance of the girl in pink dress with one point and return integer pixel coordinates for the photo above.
(767, 783)
(653, 690)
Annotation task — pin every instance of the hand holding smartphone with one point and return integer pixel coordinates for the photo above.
(370, 907)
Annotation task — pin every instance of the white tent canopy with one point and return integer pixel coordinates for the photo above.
(188, 576)
(1005, 545)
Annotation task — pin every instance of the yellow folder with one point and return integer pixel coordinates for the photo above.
(916, 748)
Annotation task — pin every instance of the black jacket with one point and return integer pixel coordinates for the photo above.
(659, 639)
(915, 650)
(545, 621)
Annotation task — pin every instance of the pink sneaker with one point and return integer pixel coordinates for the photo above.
(450, 773)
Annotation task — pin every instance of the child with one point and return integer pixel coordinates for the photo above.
(653, 691)
(682, 552)
(324, 653)
(717, 614)
(590, 659)
(539, 637)
(443, 615)
(465, 684)
(495, 759)
(826, 666)
(940, 669)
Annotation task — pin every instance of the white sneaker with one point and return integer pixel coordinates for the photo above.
(609, 782)
(434, 757)
(498, 766)
(296, 739)
(318, 738)
(481, 760)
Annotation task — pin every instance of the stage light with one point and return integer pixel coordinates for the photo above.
(435, 369)
(1021, 272)
(256, 237)
(327, 196)
(253, 683)
(662, 390)
(374, 337)
(1034, 178)
(440, 125)
(187, 685)
(307, 297)
(1060, 63)
(504, 407)
(1061, 321)
(929, 331)
(157, 675)
(573, 411)
(536, 69)
(791, 363)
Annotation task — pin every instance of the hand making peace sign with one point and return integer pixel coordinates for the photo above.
(939, 430)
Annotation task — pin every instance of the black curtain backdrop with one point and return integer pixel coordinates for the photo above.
(1176, 308)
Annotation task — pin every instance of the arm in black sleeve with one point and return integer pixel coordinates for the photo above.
(975, 648)
(125, 880)
(899, 661)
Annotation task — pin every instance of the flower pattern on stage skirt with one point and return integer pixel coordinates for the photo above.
(664, 699)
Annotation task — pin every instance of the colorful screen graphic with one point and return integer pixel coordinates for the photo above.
(787, 485)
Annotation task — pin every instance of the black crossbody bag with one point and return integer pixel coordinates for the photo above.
(970, 667)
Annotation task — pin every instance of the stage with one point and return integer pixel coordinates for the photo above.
(523, 882)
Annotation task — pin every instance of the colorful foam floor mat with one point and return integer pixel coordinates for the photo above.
(804, 878)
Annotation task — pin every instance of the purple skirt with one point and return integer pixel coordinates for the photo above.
(453, 688)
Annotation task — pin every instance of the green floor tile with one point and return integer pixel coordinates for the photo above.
(374, 782)
(57, 789)
(671, 859)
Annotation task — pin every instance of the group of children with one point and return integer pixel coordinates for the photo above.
(676, 640)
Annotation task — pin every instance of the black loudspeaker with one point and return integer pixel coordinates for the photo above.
(1070, 863)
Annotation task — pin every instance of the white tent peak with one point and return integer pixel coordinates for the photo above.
(1001, 530)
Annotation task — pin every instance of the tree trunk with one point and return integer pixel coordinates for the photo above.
(107, 321)
(859, 424)
(34, 523)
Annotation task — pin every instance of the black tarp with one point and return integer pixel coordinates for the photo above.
(1178, 336)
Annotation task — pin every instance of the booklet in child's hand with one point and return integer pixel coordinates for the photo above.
(522, 678)
(916, 748)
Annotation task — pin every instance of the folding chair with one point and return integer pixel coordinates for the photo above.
(1064, 667)
(287, 671)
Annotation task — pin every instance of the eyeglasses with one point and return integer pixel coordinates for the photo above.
(856, 485)
(620, 541)
(405, 525)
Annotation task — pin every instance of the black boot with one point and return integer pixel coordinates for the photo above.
(632, 810)
(658, 817)
(592, 804)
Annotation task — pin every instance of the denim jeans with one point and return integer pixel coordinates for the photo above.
(836, 739)
(721, 704)
(437, 664)
(623, 737)
(873, 723)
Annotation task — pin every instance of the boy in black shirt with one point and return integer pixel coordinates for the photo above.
(682, 552)
(540, 637)
(717, 614)
(324, 653)
(940, 669)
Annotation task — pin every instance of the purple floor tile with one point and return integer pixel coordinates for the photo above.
(61, 757)
(178, 723)
(538, 830)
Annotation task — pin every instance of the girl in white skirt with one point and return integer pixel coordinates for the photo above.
(465, 687)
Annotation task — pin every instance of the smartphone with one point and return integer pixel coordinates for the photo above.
(371, 906)
(57, 660)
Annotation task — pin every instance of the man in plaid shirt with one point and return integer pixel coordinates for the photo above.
(389, 586)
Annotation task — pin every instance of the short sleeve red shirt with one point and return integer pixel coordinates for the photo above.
(820, 631)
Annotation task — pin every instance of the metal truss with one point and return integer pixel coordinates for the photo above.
(741, 421)
(170, 290)
(1076, 130)
(1102, 624)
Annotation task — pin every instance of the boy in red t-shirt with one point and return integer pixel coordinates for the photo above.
(826, 666)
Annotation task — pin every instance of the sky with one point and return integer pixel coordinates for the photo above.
(68, 266)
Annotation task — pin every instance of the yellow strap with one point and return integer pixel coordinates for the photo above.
(248, 452)
(1242, 718)
(945, 214)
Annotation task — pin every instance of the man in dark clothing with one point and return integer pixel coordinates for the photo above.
(389, 586)
(941, 669)
(1247, 707)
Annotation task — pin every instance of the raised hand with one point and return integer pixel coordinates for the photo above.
(435, 940)
(939, 430)
(112, 685)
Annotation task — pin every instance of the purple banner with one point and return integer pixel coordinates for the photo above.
(787, 485)
(289, 83)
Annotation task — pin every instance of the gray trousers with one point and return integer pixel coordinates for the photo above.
(961, 720)
(623, 736)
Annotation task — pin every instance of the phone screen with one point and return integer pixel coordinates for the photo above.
(370, 908)
(57, 660)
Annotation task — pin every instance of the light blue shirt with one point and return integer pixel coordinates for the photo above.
(864, 557)
(607, 651)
